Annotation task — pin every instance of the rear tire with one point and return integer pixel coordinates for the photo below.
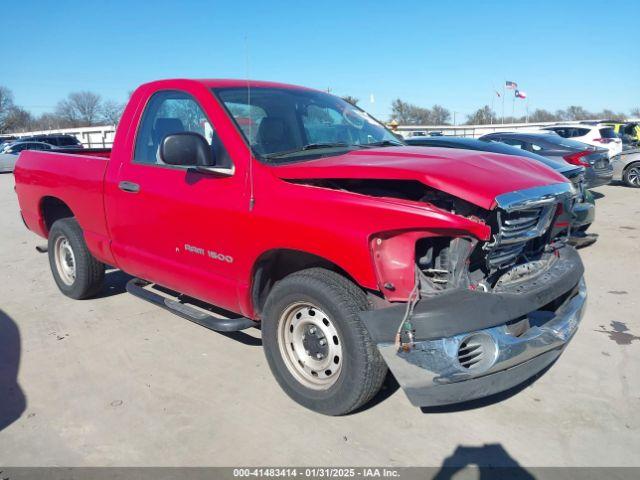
(304, 310)
(631, 175)
(76, 272)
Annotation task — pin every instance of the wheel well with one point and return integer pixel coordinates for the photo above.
(54, 209)
(632, 164)
(277, 264)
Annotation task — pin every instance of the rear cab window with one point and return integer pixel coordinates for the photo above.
(248, 118)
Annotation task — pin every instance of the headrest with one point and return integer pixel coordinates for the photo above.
(166, 126)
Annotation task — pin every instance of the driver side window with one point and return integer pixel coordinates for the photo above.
(171, 112)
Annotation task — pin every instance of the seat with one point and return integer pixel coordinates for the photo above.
(273, 135)
(166, 126)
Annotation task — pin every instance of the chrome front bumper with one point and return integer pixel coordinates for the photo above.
(431, 372)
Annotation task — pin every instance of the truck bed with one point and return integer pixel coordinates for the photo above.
(74, 176)
(87, 152)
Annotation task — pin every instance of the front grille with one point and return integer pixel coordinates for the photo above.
(514, 230)
(515, 225)
(505, 255)
(521, 221)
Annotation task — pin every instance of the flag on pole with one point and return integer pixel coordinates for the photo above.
(510, 85)
(521, 94)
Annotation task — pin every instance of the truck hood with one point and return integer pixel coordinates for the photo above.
(477, 177)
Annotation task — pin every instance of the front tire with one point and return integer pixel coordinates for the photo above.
(631, 175)
(316, 345)
(76, 272)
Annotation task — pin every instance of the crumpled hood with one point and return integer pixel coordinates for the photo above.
(477, 177)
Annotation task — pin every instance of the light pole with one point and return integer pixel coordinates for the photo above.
(504, 92)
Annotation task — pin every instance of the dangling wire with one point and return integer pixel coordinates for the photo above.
(406, 324)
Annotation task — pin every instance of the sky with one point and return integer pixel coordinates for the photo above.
(452, 53)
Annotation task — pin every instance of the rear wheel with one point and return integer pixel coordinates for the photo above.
(76, 272)
(316, 345)
(631, 175)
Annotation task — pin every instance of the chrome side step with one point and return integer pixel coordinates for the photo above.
(199, 312)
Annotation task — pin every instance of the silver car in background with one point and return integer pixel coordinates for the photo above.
(9, 153)
(626, 167)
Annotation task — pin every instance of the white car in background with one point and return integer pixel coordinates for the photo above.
(598, 135)
(9, 153)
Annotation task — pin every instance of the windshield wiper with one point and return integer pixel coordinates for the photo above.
(383, 143)
(309, 146)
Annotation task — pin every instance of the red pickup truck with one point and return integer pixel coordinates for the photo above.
(241, 204)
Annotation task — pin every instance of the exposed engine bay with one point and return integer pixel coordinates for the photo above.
(522, 245)
(402, 189)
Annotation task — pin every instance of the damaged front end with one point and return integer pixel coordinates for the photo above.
(478, 316)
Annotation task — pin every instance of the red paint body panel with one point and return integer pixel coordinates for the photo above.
(76, 180)
(477, 177)
(175, 229)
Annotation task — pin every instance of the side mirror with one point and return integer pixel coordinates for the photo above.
(186, 149)
(190, 149)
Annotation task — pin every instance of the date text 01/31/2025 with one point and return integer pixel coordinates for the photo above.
(316, 472)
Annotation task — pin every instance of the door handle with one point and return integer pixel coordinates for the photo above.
(129, 187)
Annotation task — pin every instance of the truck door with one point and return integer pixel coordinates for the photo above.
(173, 225)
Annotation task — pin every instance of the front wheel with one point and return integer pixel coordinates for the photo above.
(76, 272)
(631, 175)
(316, 345)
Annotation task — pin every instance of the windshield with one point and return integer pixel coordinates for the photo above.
(285, 125)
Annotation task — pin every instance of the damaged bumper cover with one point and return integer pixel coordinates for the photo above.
(470, 344)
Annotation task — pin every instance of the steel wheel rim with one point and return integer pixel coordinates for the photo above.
(634, 176)
(310, 345)
(65, 260)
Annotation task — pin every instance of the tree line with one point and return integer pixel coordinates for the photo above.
(78, 109)
(408, 114)
(86, 109)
